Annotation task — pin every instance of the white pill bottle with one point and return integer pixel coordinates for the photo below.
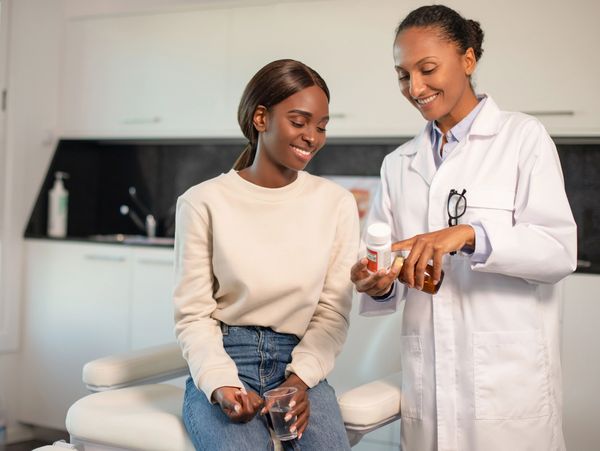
(379, 246)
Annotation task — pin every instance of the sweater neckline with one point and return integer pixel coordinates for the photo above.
(268, 194)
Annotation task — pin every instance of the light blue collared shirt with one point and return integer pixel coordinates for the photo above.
(453, 136)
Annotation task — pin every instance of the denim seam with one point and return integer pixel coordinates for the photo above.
(273, 359)
(263, 359)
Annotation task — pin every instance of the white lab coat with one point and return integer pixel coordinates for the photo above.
(480, 360)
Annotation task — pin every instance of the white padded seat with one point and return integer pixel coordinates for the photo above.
(373, 404)
(146, 417)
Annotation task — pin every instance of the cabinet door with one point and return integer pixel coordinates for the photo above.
(182, 74)
(146, 75)
(349, 45)
(152, 306)
(536, 60)
(581, 361)
(76, 310)
(528, 65)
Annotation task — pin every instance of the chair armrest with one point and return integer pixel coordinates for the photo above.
(144, 366)
(372, 405)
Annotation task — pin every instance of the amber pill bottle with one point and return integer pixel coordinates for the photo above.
(428, 285)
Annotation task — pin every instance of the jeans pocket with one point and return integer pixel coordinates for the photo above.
(510, 375)
(412, 377)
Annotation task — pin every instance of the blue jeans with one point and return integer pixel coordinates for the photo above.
(261, 356)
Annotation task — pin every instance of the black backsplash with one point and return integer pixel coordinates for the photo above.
(101, 171)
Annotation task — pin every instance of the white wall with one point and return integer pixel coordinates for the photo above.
(35, 34)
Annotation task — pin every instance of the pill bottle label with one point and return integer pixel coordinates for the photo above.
(372, 260)
(377, 260)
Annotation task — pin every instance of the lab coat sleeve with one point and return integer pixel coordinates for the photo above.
(381, 211)
(541, 244)
(482, 244)
(198, 334)
(314, 356)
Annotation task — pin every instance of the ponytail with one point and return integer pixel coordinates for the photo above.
(246, 158)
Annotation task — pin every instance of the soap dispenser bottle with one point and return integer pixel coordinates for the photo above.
(58, 204)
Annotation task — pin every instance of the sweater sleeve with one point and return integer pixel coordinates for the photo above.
(541, 245)
(314, 356)
(198, 334)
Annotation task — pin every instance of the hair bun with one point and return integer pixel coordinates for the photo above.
(476, 37)
(464, 32)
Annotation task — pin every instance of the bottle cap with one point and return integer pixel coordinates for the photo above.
(378, 233)
(398, 262)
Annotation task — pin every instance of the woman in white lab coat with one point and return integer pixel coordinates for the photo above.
(480, 193)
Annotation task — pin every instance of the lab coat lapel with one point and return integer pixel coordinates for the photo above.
(487, 123)
(489, 120)
(423, 162)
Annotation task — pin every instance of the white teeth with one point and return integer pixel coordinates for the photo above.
(299, 150)
(426, 100)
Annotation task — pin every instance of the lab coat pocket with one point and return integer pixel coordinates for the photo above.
(493, 204)
(412, 377)
(510, 375)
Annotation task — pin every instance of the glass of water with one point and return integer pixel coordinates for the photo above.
(278, 402)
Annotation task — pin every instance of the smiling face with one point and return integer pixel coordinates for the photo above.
(434, 76)
(292, 131)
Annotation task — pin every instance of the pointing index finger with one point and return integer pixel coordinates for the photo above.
(404, 245)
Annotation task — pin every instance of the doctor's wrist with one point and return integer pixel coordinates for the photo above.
(469, 236)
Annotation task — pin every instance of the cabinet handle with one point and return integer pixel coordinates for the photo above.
(105, 258)
(141, 120)
(551, 113)
(338, 115)
(584, 264)
(155, 261)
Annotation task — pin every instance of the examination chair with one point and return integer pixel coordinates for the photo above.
(131, 410)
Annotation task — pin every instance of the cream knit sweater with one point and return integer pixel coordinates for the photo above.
(279, 258)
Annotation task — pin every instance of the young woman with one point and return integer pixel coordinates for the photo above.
(263, 254)
(480, 193)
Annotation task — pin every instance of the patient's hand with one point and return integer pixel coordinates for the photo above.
(300, 405)
(238, 405)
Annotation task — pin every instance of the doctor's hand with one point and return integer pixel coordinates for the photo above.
(374, 284)
(238, 405)
(432, 246)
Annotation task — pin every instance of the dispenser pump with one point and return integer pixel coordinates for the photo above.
(58, 205)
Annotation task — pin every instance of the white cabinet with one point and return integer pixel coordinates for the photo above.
(581, 361)
(76, 310)
(84, 301)
(536, 59)
(151, 301)
(350, 46)
(146, 75)
(182, 74)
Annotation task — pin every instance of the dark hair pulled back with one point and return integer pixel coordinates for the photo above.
(272, 84)
(465, 33)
